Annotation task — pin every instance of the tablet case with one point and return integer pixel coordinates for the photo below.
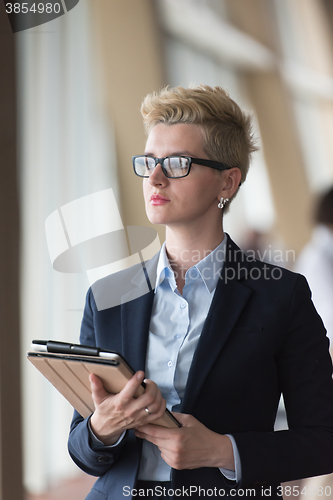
(69, 374)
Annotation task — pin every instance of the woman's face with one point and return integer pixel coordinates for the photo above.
(188, 200)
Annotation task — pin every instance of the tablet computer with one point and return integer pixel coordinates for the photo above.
(67, 367)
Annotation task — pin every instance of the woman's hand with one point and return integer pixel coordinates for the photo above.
(115, 413)
(191, 446)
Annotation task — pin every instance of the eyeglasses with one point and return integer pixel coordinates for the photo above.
(173, 167)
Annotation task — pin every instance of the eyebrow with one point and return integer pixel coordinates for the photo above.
(177, 153)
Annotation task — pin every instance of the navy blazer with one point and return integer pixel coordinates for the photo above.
(262, 337)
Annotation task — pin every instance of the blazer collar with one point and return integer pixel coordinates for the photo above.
(230, 297)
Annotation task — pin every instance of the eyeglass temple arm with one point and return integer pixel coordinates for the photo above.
(213, 164)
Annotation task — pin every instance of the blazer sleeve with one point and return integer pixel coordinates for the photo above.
(92, 461)
(305, 374)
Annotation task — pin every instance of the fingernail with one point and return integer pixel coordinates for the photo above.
(140, 376)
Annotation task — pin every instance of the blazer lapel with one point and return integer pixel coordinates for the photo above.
(230, 297)
(136, 313)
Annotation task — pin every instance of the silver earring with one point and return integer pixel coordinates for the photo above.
(222, 203)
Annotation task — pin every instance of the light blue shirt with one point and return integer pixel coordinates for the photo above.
(175, 327)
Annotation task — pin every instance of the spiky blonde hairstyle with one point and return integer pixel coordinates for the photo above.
(227, 130)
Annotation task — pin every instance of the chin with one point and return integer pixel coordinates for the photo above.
(155, 217)
(156, 220)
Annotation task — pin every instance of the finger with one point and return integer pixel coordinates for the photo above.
(152, 398)
(158, 407)
(142, 435)
(99, 394)
(153, 432)
(160, 442)
(129, 390)
(183, 418)
(154, 410)
(147, 437)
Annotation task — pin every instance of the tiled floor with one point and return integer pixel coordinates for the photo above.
(76, 489)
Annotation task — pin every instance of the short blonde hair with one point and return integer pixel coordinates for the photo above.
(228, 136)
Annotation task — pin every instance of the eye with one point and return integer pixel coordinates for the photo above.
(176, 165)
(149, 162)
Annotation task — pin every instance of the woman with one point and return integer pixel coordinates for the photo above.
(217, 337)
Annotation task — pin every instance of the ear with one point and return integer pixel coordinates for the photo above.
(231, 182)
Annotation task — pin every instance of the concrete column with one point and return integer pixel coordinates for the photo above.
(272, 103)
(129, 57)
(10, 393)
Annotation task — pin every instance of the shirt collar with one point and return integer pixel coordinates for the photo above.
(164, 269)
(209, 268)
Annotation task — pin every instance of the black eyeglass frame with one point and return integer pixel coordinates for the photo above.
(206, 163)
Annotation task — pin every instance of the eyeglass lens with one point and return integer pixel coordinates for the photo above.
(175, 166)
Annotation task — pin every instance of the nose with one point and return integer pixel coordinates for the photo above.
(157, 176)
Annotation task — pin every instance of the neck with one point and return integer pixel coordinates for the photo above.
(187, 248)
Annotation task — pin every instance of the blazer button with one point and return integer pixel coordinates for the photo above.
(103, 459)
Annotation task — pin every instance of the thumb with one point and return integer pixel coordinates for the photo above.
(185, 419)
(97, 389)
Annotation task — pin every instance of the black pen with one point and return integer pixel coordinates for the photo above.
(57, 347)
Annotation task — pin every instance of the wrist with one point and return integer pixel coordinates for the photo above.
(108, 439)
(223, 456)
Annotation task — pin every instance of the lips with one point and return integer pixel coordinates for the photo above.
(158, 199)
